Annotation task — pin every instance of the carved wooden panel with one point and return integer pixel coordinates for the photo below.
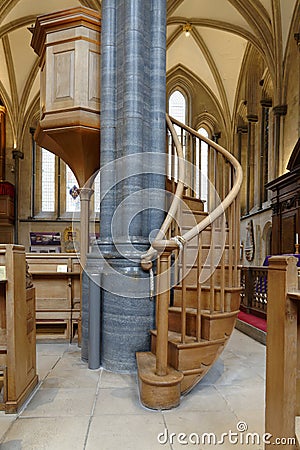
(288, 231)
(94, 78)
(64, 71)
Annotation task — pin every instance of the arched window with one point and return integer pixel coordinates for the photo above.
(177, 110)
(177, 106)
(54, 187)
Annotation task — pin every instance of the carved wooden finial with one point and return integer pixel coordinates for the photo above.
(29, 283)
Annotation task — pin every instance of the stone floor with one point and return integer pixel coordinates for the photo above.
(75, 408)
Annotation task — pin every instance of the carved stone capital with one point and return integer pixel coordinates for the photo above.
(85, 193)
(17, 154)
(242, 129)
(266, 102)
(280, 110)
(253, 118)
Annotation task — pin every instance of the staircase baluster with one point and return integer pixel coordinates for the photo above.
(183, 296)
(199, 165)
(222, 283)
(237, 240)
(222, 177)
(199, 306)
(215, 179)
(163, 301)
(231, 235)
(212, 277)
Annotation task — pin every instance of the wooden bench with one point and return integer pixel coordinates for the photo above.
(56, 278)
(17, 330)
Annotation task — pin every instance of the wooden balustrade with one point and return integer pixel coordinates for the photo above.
(203, 279)
(255, 295)
(283, 346)
(56, 278)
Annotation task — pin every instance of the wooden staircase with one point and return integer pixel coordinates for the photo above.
(197, 272)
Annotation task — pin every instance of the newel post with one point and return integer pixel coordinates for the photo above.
(281, 364)
(160, 384)
(165, 248)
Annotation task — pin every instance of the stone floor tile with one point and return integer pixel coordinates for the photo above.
(5, 422)
(45, 364)
(71, 379)
(59, 402)
(110, 380)
(119, 400)
(126, 432)
(47, 434)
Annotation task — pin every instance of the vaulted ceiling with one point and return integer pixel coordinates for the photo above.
(221, 31)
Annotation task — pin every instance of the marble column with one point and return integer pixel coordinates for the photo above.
(132, 159)
(264, 150)
(2, 144)
(297, 39)
(252, 120)
(85, 196)
(278, 112)
(17, 155)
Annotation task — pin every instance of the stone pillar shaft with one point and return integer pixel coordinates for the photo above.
(85, 195)
(2, 144)
(250, 162)
(278, 112)
(133, 96)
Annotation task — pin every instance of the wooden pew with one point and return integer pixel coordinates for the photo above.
(56, 278)
(17, 330)
(283, 346)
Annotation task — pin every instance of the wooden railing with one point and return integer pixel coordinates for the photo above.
(283, 346)
(255, 293)
(216, 272)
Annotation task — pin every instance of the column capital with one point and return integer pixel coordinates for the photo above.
(85, 193)
(216, 136)
(17, 154)
(280, 110)
(266, 103)
(252, 118)
(243, 129)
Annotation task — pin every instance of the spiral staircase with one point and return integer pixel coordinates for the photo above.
(196, 258)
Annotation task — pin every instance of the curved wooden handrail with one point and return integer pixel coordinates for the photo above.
(212, 216)
(151, 253)
(228, 200)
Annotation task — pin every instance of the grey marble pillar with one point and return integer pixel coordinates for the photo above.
(133, 125)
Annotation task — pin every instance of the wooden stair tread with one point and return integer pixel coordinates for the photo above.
(204, 313)
(204, 286)
(190, 341)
